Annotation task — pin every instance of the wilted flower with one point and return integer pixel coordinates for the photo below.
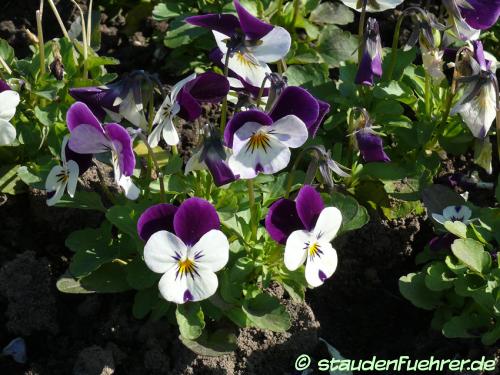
(433, 63)
(186, 246)
(454, 213)
(306, 227)
(261, 145)
(89, 136)
(478, 105)
(250, 43)
(9, 100)
(372, 5)
(371, 61)
(426, 29)
(324, 164)
(184, 101)
(369, 142)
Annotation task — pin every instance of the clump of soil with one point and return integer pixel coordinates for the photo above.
(94, 360)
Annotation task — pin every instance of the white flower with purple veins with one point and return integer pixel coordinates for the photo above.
(186, 246)
(306, 227)
(9, 100)
(250, 43)
(89, 136)
(454, 213)
(372, 5)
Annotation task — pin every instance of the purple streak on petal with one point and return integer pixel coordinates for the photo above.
(220, 171)
(208, 87)
(299, 102)
(371, 146)
(282, 219)
(80, 114)
(190, 108)
(193, 219)
(187, 296)
(97, 99)
(322, 276)
(483, 15)
(4, 86)
(240, 119)
(84, 161)
(309, 206)
(226, 24)
(253, 28)
(50, 194)
(442, 242)
(123, 144)
(479, 54)
(156, 218)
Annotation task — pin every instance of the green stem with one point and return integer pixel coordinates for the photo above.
(104, 187)
(5, 66)
(428, 92)
(41, 44)
(261, 91)
(223, 115)
(395, 42)
(251, 200)
(89, 24)
(296, 9)
(59, 20)
(159, 173)
(447, 109)
(498, 133)
(278, 9)
(289, 180)
(361, 32)
(84, 40)
(175, 151)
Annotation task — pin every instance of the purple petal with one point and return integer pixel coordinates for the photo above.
(220, 171)
(190, 108)
(193, 219)
(282, 219)
(253, 28)
(96, 99)
(224, 23)
(84, 161)
(208, 87)
(4, 86)
(484, 15)
(80, 114)
(123, 145)
(309, 206)
(371, 146)
(368, 69)
(156, 218)
(479, 54)
(324, 108)
(299, 102)
(442, 242)
(240, 119)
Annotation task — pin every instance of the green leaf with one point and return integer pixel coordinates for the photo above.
(190, 319)
(458, 228)
(334, 353)
(10, 182)
(438, 277)
(144, 301)
(221, 342)
(181, 33)
(84, 200)
(68, 284)
(174, 165)
(462, 325)
(307, 75)
(139, 276)
(162, 12)
(6, 51)
(472, 254)
(109, 278)
(332, 14)
(266, 312)
(125, 217)
(413, 288)
(354, 216)
(336, 46)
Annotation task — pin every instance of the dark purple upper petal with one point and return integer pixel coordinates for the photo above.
(208, 87)
(368, 69)
(220, 171)
(442, 242)
(226, 24)
(4, 86)
(240, 119)
(193, 219)
(190, 107)
(97, 99)
(282, 219)
(371, 146)
(84, 161)
(299, 102)
(253, 28)
(156, 218)
(479, 54)
(483, 15)
(324, 108)
(309, 206)
(123, 145)
(80, 114)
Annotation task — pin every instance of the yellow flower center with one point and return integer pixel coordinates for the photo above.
(244, 61)
(186, 267)
(63, 176)
(314, 249)
(259, 140)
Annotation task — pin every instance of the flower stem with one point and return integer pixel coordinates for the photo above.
(361, 31)
(296, 9)
(261, 90)
(289, 180)
(104, 187)
(395, 42)
(175, 151)
(89, 24)
(4, 65)
(41, 44)
(84, 41)
(159, 173)
(498, 133)
(251, 201)
(427, 93)
(58, 17)
(223, 114)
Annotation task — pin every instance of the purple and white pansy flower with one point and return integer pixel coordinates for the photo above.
(248, 43)
(372, 5)
(185, 245)
(371, 60)
(454, 213)
(89, 136)
(9, 99)
(306, 227)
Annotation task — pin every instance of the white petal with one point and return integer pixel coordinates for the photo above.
(131, 111)
(73, 171)
(439, 218)
(252, 72)
(163, 250)
(154, 137)
(85, 139)
(59, 192)
(169, 132)
(382, 5)
(211, 251)
(52, 180)
(274, 46)
(296, 249)
(220, 40)
(63, 148)
(7, 133)
(456, 213)
(466, 214)
(179, 85)
(176, 288)
(204, 285)
(290, 130)
(131, 191)
(322, 265)
(194, 164)
(328, 224)
(243, 134)
(8, 102)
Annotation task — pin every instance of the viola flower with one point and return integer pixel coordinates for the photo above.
(184, 101)
(480, 14)
(89, 136)
(478, 105)
(368, 141)
(261, 145)
(212, 156)
(372, 5)
(9, 100)
(371, 61)
(186, 246)
(454, 213)
(250, 43)
(306, 227)
(461, 28)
